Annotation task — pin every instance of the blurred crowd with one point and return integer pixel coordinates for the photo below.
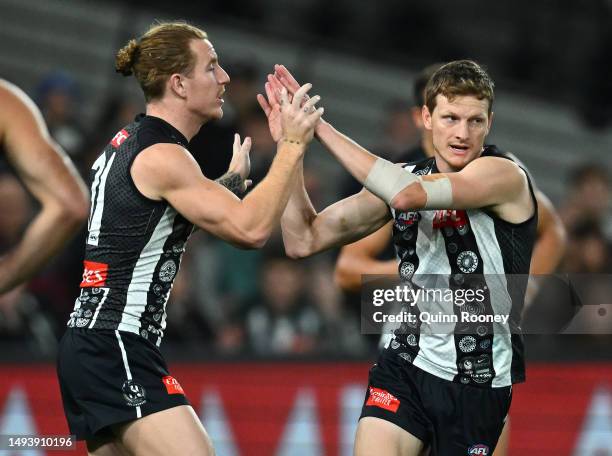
(235, 302)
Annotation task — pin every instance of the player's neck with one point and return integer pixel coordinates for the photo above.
(180, 119)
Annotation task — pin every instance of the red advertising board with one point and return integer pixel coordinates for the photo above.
(278, 409)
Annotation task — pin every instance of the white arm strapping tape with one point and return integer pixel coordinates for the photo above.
(386, 180)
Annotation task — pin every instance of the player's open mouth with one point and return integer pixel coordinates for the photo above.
(458, 149)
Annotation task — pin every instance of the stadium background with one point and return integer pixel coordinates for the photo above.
(268, 349)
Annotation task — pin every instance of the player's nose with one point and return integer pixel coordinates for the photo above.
(462, 130)
(223, 78)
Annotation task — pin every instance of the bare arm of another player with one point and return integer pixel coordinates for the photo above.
(360, 258)
(306, 232)
(49, 176)
(168, 171)
(550, 245)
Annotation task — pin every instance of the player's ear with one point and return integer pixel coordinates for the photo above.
(176, 83)
(426, 115)
(490, 122)
(417, 117)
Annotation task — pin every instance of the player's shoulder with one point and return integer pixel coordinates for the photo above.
(8, 90)
(492, 150)
(14, 101)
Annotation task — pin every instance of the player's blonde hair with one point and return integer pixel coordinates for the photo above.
(162, 51)
(459, 78)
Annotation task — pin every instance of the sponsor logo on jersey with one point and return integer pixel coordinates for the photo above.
(450, 218)
(94, 274)
(119, 138)
(383, 399)
(479, 449)
(133, 393)
(172, 385)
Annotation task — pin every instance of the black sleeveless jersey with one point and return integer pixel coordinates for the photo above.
(466, 249)
(134, 245)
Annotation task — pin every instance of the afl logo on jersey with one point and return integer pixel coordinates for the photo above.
(405, 219)
(479, 449)
(133, 393)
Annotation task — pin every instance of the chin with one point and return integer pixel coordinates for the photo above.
(215, 114)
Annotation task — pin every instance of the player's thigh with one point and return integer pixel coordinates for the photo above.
(176, 430)
(105, 447)
(504, 440)
(377, 437)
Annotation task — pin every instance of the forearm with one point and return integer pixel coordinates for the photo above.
(44, 237)
(262, 208)
(350, 268)
(354, 158)
(233, 182)
(296, 221)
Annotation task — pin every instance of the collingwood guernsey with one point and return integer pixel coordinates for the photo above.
(465, 249)
(134, 244)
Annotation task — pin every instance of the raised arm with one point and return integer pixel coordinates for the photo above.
(50, 177)
(167, 171)
(306, 232)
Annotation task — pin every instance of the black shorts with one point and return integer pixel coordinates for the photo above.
(109, 377)
(450, 418)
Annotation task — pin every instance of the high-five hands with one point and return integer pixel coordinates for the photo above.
(291, 118)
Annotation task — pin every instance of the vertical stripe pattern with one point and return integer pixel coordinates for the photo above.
(128, 373)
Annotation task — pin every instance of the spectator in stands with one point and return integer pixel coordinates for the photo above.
(57, 97)
(588, 198)
(281, 322)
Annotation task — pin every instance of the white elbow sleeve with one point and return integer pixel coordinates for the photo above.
(439, 193)
(386, 180)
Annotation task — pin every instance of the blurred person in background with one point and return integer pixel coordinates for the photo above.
(588, 198)
(281, 320)
(374, 253)
(21, 317)
(340, 332)
(148, 195)
(406, 138)
(208, 145)
(588, 250)
(49, 176)
(57, 97)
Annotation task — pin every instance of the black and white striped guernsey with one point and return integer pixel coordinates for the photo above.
(134, 244)
(475, 249)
